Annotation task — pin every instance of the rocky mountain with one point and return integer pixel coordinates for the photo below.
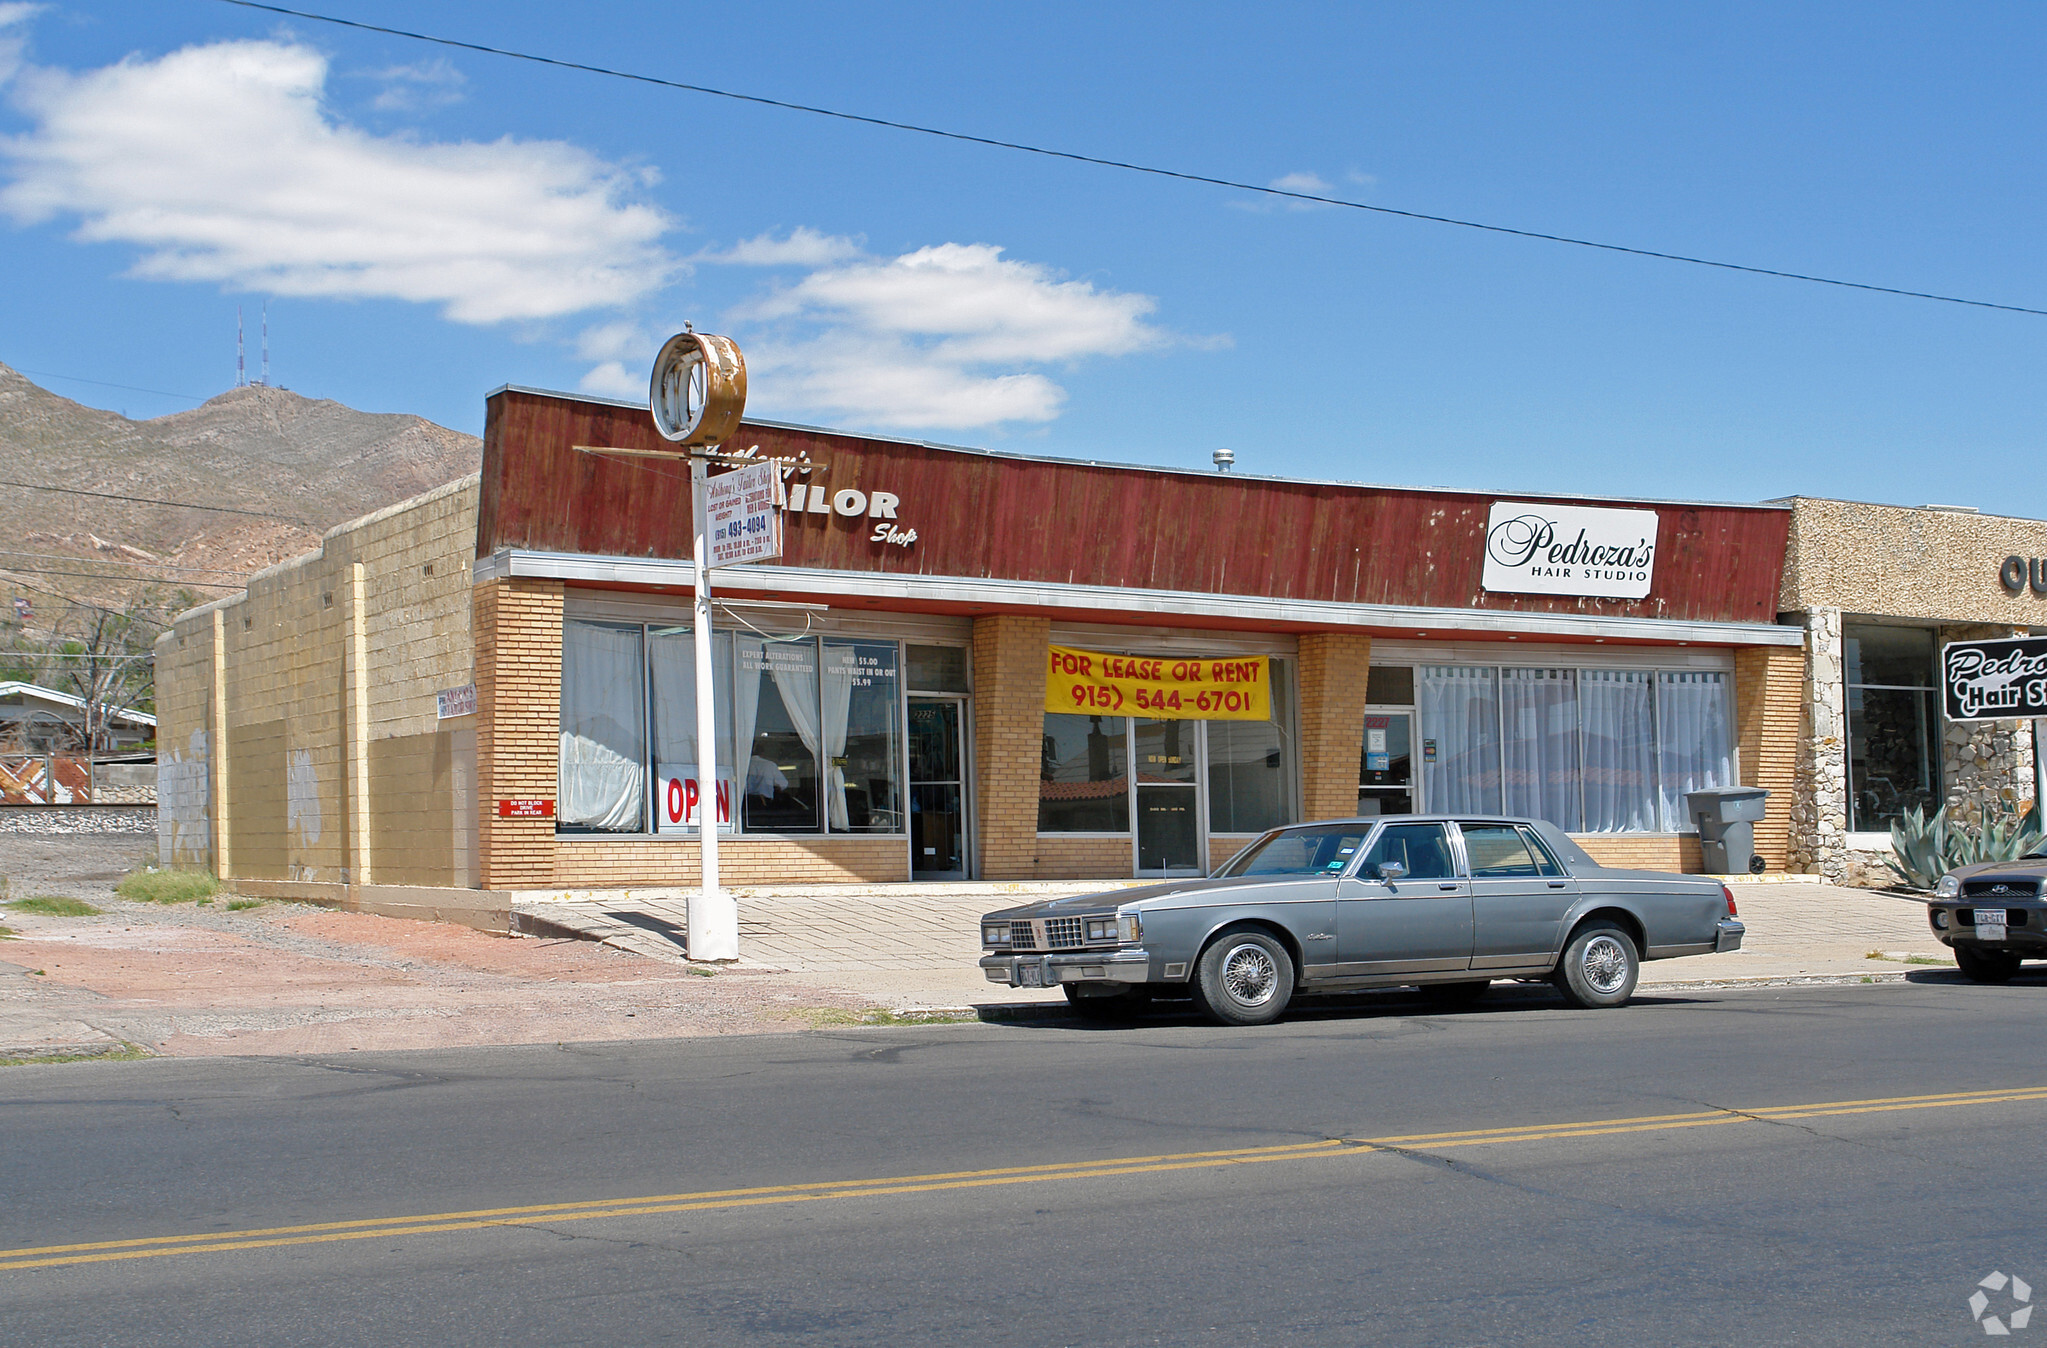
(302, 465)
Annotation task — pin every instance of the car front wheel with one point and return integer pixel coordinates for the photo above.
(1244, 978)
(1599, 967)
(1986, 966)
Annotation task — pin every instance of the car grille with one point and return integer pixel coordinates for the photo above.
(1022, 937)
(2001, 889)
(1065, 933)
(2013, 917)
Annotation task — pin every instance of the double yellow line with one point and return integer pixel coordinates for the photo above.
(378, 1228)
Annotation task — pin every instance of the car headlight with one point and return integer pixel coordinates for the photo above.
(1947, 888)
(1130, 927)
(1101, 929)
(994, 933)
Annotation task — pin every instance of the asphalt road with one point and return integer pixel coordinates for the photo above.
(1826, 1165)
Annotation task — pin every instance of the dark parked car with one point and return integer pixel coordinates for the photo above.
(1445, 903)
(1991, 916)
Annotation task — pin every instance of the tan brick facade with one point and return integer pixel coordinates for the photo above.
(1769, 713)
(518, 626)
(1009, 735)
(1335, 669)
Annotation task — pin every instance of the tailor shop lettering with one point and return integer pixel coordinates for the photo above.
(850, 503)
(1094, 683)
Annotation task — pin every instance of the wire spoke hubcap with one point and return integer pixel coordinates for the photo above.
(1606, 964)
(1249, 975)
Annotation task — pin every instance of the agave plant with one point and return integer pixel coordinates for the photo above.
(1925, 847)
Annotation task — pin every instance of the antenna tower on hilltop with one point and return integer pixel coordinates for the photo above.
(241, 363)
(266, 343)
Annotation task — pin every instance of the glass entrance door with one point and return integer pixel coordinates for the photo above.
(1168, 787)
(938, 791)
(1386, 772)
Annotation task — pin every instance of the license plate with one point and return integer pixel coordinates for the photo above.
(1030, 974)
(1990, 924)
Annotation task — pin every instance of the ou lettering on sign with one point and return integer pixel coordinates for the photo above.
(679, 797)
(815, 498)
(1166, 689)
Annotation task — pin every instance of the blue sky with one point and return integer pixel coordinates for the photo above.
(428, 224)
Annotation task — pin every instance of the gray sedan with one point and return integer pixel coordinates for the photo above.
(1444, 903)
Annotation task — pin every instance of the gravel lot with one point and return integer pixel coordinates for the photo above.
(284, 978)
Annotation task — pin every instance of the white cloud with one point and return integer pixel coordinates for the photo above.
(940, 337)
(219, 163)
(13, 14)
(422, 85)
(1312, 183)
(612, 379)
(804, 247)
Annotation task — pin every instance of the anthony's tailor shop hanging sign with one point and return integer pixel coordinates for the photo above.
(1167, 689)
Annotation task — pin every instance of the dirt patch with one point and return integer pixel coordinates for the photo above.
(281, 978)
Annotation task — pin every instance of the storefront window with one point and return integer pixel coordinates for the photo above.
(1539, 743)
(672, 669)
(1590, 750)
(1250, 773)
(936, 669)
(1697, 739)
(603, 730)
(775, 713)
(1083, 778)
(1619, 711)
(1893, 725)
(862, 737)
(1460, 712)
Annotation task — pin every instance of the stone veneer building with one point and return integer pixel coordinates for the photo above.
(1878, 590)
(490, 688)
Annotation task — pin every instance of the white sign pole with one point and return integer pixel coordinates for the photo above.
(713, 915)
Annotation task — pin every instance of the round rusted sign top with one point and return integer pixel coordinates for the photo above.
(699, 389)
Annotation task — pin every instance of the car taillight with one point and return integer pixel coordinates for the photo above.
(1730, 901)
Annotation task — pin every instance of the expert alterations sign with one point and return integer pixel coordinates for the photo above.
(1168, 689)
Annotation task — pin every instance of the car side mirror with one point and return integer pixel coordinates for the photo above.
(1390, 871)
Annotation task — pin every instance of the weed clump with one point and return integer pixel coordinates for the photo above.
(155, 886)
(55, 905)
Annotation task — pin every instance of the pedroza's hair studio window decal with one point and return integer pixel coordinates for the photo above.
(1553, 549)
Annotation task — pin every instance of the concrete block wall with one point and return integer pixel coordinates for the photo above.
(184, 752)
(1335, 669)
(1009, 654)
(266, 684)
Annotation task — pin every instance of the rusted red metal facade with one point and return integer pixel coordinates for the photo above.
(980, 515)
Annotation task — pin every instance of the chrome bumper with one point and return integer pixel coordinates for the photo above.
(1081, 966)
(1728, 936)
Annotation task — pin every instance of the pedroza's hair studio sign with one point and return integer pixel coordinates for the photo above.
(1553, 549)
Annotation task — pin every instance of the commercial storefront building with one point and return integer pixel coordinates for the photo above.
(492, 687)
(1878, 591)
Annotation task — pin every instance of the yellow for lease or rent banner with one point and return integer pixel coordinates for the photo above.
(1172, 688)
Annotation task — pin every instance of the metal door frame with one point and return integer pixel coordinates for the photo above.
(963, 704)
(1415, 787)
(1199, 786)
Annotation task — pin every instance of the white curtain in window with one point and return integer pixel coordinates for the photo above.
(1697, 740)
(603, 740)
(841, 663)
(1460, 710)
(797, 683)
(762, 778)
(1618, 716)
(1539, 742)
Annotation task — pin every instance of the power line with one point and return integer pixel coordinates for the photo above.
(1182, 176)
(77, 379)
(156, 500)
(5, 569)
(158, 566)
(84, 603)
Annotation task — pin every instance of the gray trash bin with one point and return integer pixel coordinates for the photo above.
(1726, 816)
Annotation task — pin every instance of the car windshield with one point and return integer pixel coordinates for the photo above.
(1299, 851)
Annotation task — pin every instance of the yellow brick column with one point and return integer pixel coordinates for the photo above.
(518, 628)
(216, 748)
(1768, 715)
(1335, 667)
(1009, 735)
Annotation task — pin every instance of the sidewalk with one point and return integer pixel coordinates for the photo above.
(915, 946)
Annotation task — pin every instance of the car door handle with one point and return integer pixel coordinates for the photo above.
(1556, 884)
(1446, 886)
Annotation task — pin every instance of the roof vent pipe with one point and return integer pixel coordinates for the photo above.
(1223, 459)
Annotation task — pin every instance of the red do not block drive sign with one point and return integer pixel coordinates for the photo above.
(525, 809)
